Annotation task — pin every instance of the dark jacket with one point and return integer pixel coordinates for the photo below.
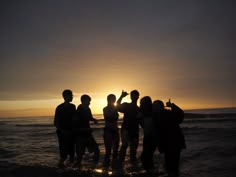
(130, 119)
(169, 133)
(81, 125)
(63, 116)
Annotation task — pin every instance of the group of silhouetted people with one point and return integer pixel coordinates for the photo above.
(161, 131)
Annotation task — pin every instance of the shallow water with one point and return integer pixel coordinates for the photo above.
(211, 146)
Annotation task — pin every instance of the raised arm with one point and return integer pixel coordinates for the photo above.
(123, 94)
(178, 112)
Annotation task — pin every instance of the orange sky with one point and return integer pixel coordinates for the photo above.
(182, 51)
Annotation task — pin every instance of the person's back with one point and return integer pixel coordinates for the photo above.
(111, 130)
(130, 126)
(84, 116)
(63, 116)
(84, 137)
(145, 114)
(171, 139)
(111, 117)
(130, 119)
(63, 122)
(171, 133)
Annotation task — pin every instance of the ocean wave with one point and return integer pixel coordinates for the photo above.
(210, 119)
(33, 125)
(210, 115)
(41, 134)
(5, 153)
(2, 123)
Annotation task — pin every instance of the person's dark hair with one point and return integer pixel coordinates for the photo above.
(146, 105)
(84, 98)
(159, 102)
(111, 96)
(134, 93)
(146, 101)
(66, 92)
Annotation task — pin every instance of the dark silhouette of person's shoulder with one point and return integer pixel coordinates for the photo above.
(79, 107)
(60, 106)
(107, 108)
(72, 105)
(123, 106)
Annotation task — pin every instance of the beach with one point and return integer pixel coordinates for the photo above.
(28, 147)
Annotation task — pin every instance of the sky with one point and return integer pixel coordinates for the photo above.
(183, 50)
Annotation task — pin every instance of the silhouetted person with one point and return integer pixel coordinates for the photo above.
(63, 123)
(83, 132)
(149, 146)
(171, 140)
(111, 131)
(130, 126)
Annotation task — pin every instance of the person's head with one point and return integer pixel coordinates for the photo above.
(85, 100)
(157, 105)
(67, 95)
(146, 101)
(146, 105)
(134, 95)
(111, 99)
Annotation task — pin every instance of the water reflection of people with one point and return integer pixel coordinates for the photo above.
(63, 123)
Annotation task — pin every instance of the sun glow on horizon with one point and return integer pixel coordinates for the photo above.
(47, 107)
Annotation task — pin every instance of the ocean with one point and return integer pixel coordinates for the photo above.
(210, 137)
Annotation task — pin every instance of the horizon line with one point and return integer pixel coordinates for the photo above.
(120, 113)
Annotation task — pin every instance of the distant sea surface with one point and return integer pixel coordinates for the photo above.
(33, 141)
(212, 110)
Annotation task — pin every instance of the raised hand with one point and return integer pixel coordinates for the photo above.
(169, 104)
(124, 94)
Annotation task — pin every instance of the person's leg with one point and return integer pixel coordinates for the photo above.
(62, 148)
(124, 145)
(116, 142)
(147, 153)
(143, 157)
(80, 148)
(71, 147)
(175, 162)
(93, 146)
(167, 162)
(108, 145)
(172, 158)
(133, 149)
